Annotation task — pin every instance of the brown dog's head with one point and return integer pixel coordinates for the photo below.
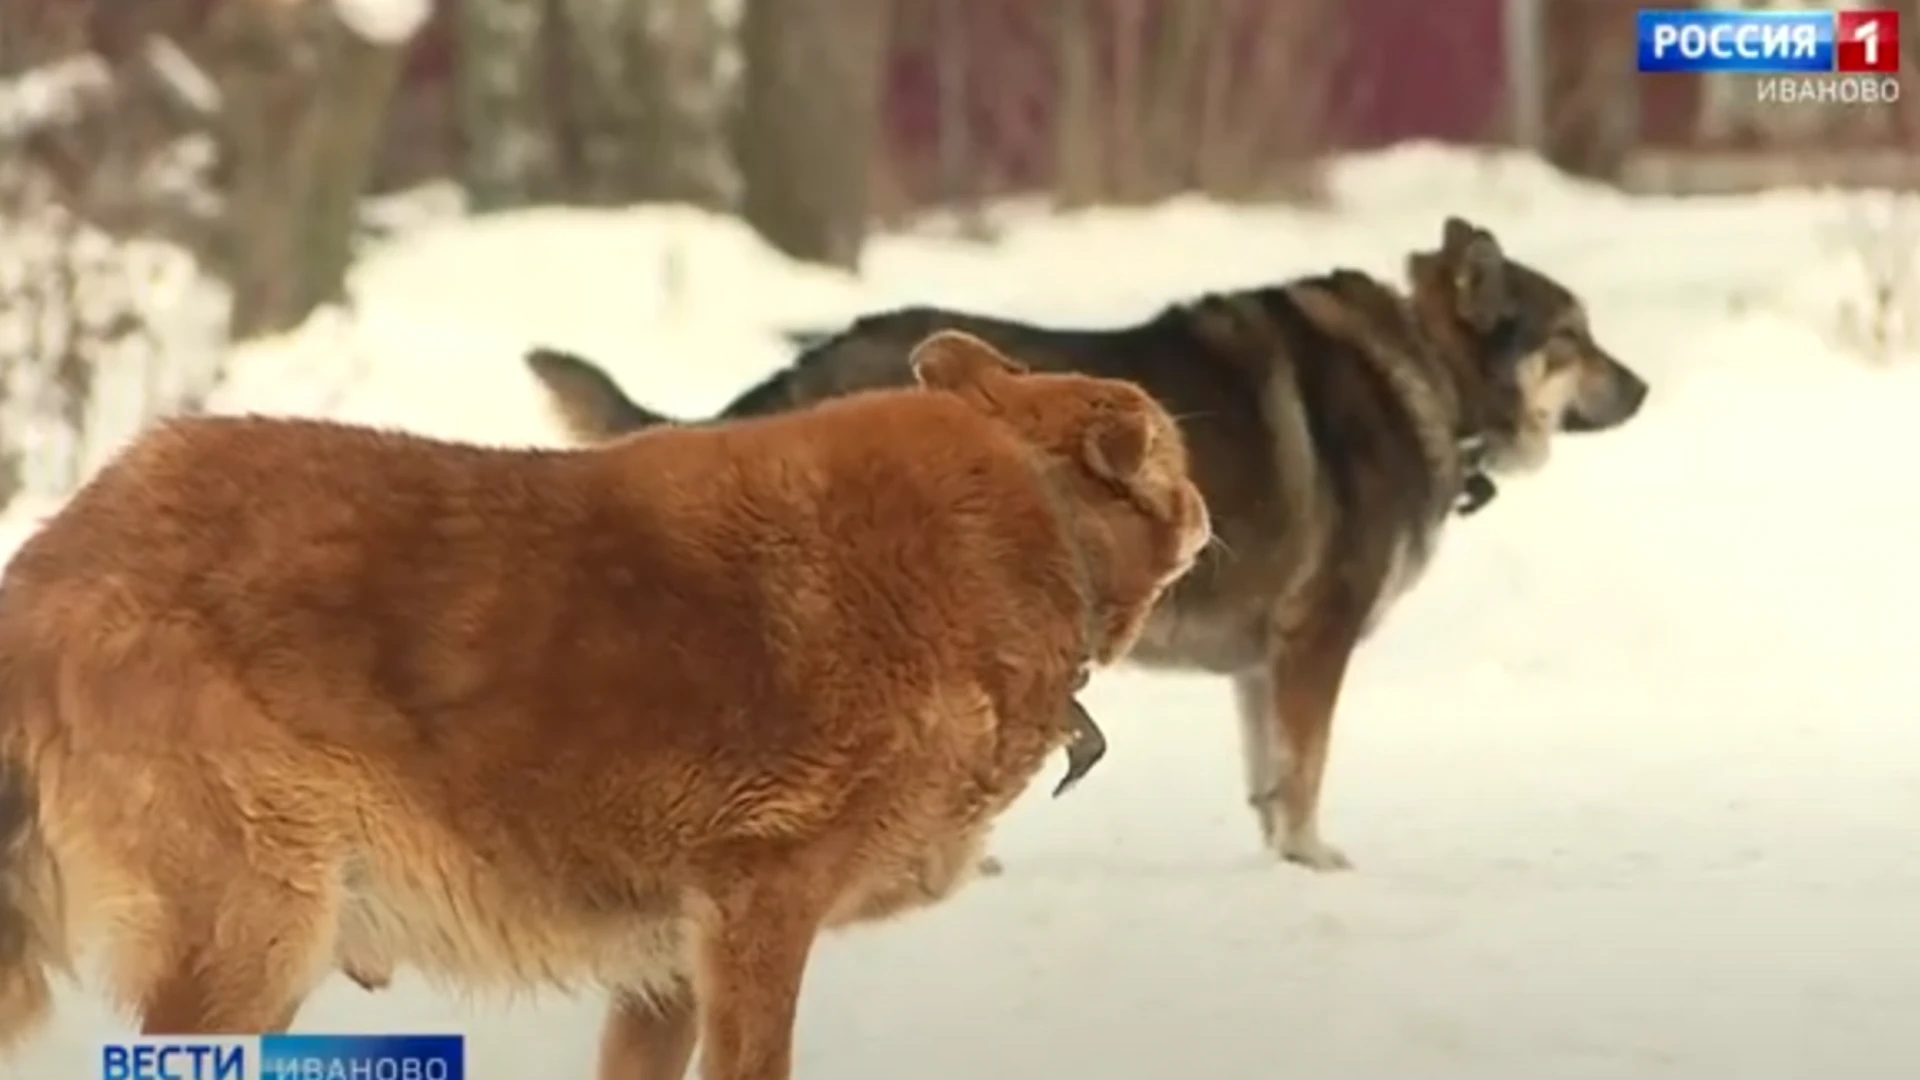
(1117, 460)
(1527, 335)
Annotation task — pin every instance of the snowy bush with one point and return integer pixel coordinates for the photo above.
(87, 323)
(1880, 318)
(103, 325)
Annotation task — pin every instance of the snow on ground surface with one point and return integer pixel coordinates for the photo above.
(1632, 779)
(384, 22)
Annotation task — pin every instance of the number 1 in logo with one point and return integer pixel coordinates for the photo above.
(1867, 42)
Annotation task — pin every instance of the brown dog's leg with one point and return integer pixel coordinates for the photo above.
(648, 1037)
(751, 958)
(939, 873)
(181, 1006)
(1303, 691)
(242, 961)
(245, 986)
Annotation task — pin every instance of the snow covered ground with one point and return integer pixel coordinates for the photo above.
(1632, 779)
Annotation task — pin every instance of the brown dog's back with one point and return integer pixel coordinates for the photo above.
(430, 608)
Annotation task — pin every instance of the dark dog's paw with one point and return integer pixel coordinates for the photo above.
(1314, 854)
(1300, 845)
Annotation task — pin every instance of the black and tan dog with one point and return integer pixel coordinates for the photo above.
(1335, 423)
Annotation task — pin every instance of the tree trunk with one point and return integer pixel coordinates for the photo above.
(643, 85)
(306, 98)
(1177, 72)
(1079, 128)
(960, 182)
(508, 156)
(809, 122)
(1127, 168)
(268, 73)
(357, 82)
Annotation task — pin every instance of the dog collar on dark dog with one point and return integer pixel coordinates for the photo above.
(1476, 487)
(1476, 491)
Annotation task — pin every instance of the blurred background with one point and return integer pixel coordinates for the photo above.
(260, 144)
(1642, 718)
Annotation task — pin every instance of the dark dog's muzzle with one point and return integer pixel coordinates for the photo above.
(1607, 398)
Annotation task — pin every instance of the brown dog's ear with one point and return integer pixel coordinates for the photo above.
(1478, 271)
(951, 360)
(1116, 443)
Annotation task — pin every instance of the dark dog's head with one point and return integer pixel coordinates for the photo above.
(1539, 368)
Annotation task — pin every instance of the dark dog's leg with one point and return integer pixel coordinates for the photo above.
(648, 1037)
(1305, 688)
(1259, 741)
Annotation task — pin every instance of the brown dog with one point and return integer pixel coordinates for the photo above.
(279, 696)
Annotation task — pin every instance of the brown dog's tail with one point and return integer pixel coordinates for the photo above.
(32, 934)
(591, 405)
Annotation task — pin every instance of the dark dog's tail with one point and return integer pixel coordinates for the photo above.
(590, 404)
(806, 341)
(32, 931)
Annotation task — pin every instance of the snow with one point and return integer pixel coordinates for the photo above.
(384, 22)
(1631, 778)
(138, 311)
(51, 94)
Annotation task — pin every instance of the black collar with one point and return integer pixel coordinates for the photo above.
(1476, 487)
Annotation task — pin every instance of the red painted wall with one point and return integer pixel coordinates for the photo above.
(1411, 69)
(1407, 69)
(1423, 69)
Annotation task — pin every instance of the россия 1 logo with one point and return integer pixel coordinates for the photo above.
(1770, 42)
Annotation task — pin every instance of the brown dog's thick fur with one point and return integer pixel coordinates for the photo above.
(1335, 422)
(279, 696)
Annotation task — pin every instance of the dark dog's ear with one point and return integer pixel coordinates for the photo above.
(962, 363)
(1455, 234)
(1477, 270)
(1115, 443)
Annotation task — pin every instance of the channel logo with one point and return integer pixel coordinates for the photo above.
(1769, 42)
(286, 1057)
